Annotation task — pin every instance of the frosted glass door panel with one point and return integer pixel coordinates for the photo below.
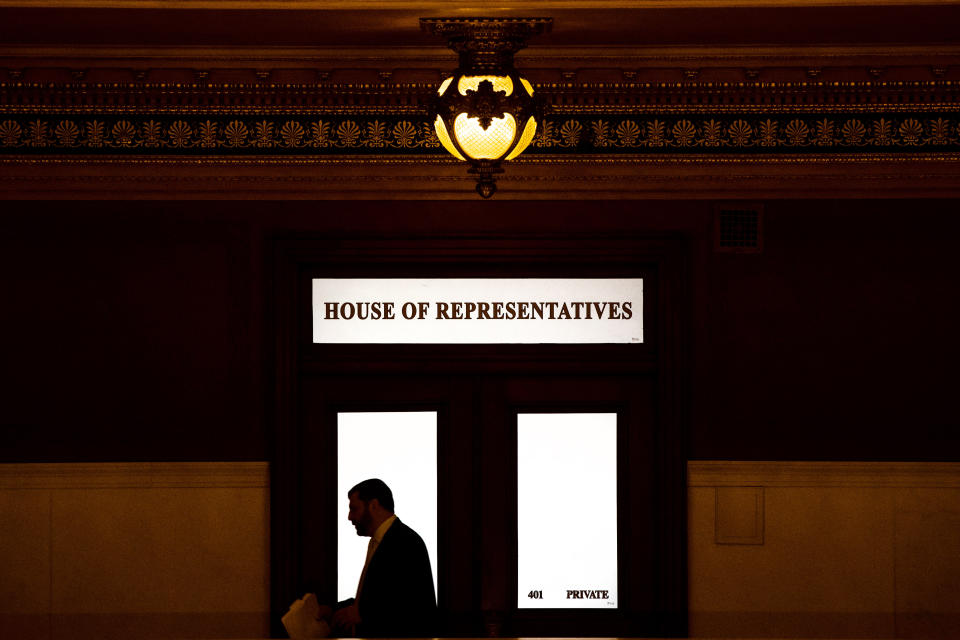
(400, 448)
(567, 510)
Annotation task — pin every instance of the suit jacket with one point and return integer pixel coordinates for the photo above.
(398, 598)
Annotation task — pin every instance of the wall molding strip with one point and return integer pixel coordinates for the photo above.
(135, 475)
(724, 473)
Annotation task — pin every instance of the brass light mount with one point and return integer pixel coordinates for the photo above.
(485, 111)
(486, 44)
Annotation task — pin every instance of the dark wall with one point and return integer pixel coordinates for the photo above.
(135, 331)
(840, 340)
(128, 335)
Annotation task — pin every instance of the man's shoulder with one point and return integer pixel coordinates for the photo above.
(401, 532)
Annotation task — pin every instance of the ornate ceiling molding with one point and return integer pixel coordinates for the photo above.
(545, 63)
(197, 94)
(645, 99)
(614, 140)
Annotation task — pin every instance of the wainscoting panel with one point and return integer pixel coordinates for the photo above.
(151, 550)
(181, 550)
(848, 550)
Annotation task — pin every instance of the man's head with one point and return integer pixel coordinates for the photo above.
(371, 502)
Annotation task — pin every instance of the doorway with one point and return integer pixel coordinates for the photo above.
(485, 399)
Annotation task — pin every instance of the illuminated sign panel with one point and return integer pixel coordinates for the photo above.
(567, 510)
(478, 310)
(400, 448)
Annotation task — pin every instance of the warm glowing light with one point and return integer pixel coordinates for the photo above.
(527, 86)
(444, 85)
(528, 132)
(445, 140)
(489, 144)
(500, 83)
(487, 112)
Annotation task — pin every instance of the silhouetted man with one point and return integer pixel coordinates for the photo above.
(395, 595)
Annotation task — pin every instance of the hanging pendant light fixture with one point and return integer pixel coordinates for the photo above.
(485, 112)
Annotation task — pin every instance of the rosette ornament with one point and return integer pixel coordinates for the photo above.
(485, 113)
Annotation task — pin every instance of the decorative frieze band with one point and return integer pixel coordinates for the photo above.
(391, 135)
(767, 118)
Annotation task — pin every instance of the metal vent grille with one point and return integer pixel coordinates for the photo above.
(739, 229)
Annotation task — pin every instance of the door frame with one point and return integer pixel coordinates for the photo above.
(662, 259)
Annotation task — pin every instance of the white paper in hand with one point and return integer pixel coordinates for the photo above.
(301, 620)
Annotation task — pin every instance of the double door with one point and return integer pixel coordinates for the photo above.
(545, 496)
